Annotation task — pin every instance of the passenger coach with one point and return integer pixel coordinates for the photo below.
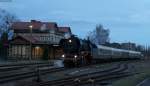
(104, 53)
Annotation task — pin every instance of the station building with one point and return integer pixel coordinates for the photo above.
(36, 40)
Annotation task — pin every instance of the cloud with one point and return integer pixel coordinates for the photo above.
(122, 17)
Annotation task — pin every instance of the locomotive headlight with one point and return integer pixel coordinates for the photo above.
(70, 41)
(75, 56)
(63, 56)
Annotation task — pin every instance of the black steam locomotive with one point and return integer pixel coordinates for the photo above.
(76, 51)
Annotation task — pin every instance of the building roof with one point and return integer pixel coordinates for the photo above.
(22, 39)
(36, 25)
(64, 29)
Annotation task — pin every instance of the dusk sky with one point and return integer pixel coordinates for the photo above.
(128, 20)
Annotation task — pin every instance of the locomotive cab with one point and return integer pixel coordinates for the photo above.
(85, 52)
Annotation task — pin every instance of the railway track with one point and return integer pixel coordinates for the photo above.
(17, 72)
(98, 78)
(85, 79)
(80, 79)
(4, 68)
(27, 74)
(17, 75)
(8, 76)
(116, 71)
(22, 63)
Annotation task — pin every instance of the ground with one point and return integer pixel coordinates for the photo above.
(142, 68)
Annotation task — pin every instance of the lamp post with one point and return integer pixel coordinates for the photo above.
(37, 71)
(38, 79)
(31, 27)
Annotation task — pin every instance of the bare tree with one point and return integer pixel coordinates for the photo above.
(99, 35)
(6, 20)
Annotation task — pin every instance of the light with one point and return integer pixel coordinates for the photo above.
(30, 26)
(37, 47)
(75, 56)
(70, 40)
(63, 56)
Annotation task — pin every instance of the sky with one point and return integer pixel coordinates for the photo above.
(127, 20)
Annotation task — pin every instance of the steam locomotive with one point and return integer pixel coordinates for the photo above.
(77, 52)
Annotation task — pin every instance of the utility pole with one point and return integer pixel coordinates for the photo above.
(31, 27)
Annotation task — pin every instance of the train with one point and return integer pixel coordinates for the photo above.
(77, 52)
(107, 54)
